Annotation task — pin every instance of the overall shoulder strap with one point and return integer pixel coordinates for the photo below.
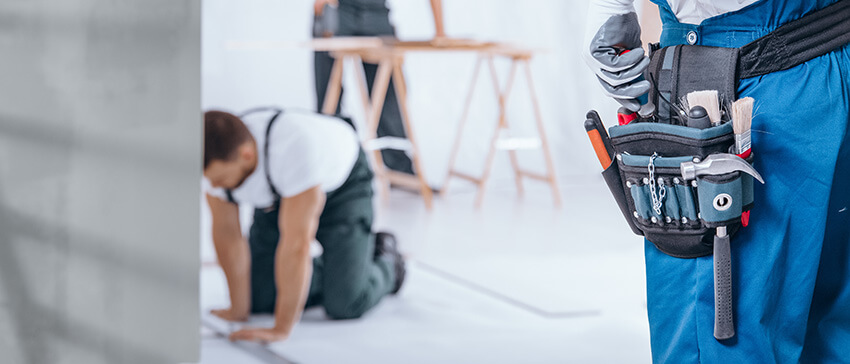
(230, 198)
(266, 153)
(277, 111)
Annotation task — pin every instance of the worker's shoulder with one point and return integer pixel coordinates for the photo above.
(305, 117)
(310, 123)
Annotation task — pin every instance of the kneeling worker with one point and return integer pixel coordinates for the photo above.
(308, 179)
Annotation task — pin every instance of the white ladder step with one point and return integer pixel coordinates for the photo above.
(388, 143)
(518, 143)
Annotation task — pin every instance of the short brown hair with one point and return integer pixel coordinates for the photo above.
(223, 134)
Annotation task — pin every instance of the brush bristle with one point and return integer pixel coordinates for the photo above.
(742, 120)
(709, 100)
(742, 114)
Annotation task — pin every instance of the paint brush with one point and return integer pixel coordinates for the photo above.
(742, 120)
(708, 99)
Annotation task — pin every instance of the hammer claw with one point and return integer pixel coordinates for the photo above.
(717, 164)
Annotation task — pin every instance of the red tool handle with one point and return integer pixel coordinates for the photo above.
(745, 216)
(625, 116)
(624, 119)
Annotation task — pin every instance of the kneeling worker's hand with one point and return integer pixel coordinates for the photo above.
(230, 314)
(257, 334)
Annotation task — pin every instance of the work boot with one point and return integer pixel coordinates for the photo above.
(386, 245)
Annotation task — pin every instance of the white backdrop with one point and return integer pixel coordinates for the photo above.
(239, 79)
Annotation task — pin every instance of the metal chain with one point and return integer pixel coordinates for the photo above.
(657, 198)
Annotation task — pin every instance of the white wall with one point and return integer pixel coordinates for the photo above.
(438, 83)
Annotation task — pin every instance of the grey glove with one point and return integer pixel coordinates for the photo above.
(326, 24)
(618, 60)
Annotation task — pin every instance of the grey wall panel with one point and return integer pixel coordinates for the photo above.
(100, 142)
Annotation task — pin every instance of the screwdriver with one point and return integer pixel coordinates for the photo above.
(599, 138)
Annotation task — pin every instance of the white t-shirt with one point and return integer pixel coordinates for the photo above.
(306, 150)
(695, 11)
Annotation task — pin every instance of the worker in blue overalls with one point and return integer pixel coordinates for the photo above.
(791, 265)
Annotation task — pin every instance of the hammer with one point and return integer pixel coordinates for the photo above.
(717, 164)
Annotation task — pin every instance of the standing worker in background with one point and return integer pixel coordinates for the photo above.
(366, 18)
(302, 189)
(362, 18)
(791, 276)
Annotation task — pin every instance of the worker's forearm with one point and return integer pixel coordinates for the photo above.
(293, 269)
(235, 260)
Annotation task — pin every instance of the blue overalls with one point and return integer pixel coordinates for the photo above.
(791, 265)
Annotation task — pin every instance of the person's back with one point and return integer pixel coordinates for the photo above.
(298, 155)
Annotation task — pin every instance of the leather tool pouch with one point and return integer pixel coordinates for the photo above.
(676, 215)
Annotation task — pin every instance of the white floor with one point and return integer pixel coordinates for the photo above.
(517, 281)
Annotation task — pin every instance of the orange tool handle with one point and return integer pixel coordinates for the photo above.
(599, 148)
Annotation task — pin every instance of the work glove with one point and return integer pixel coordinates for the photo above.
(613, 51)
(326, 19)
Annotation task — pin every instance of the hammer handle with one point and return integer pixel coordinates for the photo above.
(724, 326)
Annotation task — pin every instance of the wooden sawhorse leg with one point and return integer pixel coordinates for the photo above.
(389, 68)
(550, 177)
(419, 179)
(334, 88)
(502, 97)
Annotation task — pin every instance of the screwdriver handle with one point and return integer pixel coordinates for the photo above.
(599, 139)
(599, 148)
(593, 117)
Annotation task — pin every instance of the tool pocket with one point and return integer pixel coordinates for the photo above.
(677, 70)
(615, 185)
(643, 202)
(720, 199)
(677, 215)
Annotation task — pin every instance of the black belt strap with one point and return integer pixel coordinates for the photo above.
(815, 34)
